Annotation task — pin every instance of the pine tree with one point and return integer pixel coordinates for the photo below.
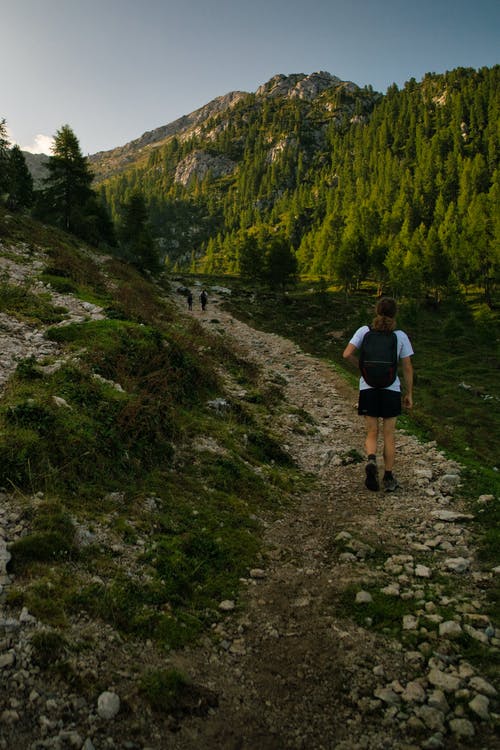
(68, 187)
(20, 181)
(136, 242)
(280, 263)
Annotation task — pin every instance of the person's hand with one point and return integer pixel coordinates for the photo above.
(407, 401)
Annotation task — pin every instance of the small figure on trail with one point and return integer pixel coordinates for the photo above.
(189, 298)
(203, 299)
(380, 348)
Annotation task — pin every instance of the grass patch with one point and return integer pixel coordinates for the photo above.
(384, 613)
(21, 303)
(49, 646)
(163, 689)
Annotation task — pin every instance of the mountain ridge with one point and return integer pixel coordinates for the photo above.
(294, 86)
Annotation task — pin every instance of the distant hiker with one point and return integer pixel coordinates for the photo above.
(203, 300)
(189, 297)
(380, 348)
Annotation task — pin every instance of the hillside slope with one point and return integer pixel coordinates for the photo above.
(400, 189)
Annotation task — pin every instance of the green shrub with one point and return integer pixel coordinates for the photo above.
(42, 546)
(48, 646)
(163, 689)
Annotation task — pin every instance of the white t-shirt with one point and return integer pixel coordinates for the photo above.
(404, 350)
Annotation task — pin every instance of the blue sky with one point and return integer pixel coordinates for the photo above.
(113, 69)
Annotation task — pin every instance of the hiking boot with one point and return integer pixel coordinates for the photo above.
(371, 481)
(391, 484)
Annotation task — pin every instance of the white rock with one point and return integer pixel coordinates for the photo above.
(391, 590)
(444, 681)
(410, 622)
(433, 718)
(481, 686)
(227, 605)
(457, 564)
(450, 629)
(437, 699)
(478, 635)
(108, 705)
(462, 727)
(414, 693)
(347, 557)
(422, 571)
(450, 516)
(480, 706)
(7, 660)
(257, 573)
(423, 473)
(61, 402)
(450, 480)
(363, 597)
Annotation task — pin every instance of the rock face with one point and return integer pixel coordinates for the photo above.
(106, 163)
(199, 163)
(294, 86)
(301, 86)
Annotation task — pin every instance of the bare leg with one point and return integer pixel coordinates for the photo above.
(371, 424)
(389, 428)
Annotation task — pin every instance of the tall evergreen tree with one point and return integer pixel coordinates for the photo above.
(68, 186)
(68, 200)
(134, 235)
(280, 263)
(20, 180)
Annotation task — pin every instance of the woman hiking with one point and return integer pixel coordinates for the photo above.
(382, 401)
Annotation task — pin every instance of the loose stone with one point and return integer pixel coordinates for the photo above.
(363, 597)
(462, 727)
(414, 693)
(387, 696)
(450, 629)
(432, 717)
(480, 685)
(108, 705)
(437, 699)
(444, 681)
(457, 564)
(410, 622)
(422, 571)
(480, 706)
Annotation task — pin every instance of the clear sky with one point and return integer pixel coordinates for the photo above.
(113, 69)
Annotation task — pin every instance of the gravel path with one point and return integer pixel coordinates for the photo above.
(292, 672)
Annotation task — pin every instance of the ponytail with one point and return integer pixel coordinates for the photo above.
(385, 314)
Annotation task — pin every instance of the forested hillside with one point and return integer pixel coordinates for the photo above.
(402, 188)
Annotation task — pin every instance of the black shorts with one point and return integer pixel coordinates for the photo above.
(379, 402)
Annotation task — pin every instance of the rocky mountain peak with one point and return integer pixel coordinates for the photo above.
(300, 85)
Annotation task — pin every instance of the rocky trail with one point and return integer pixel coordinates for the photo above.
(287, 667)
(290, 672)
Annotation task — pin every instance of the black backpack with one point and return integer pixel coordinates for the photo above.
(378, 358)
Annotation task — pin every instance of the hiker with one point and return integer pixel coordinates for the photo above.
(203, 299)
(189, 298)
(382, 399)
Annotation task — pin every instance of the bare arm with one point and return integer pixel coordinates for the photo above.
(408, 378)
(350, 356)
